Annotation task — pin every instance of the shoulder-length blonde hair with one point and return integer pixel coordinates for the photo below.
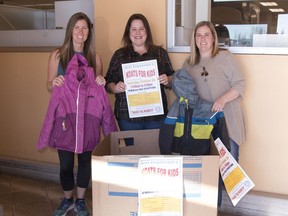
(195, 54)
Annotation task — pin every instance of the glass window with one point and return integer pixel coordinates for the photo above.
(37, 23)
(255, 26)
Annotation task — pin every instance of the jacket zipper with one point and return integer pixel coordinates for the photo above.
(187, 126)
(77, 116)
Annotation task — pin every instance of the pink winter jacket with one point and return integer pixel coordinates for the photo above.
(77, 110)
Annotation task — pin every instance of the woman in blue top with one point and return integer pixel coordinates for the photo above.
(78, 39)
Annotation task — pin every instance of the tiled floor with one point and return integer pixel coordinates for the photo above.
(29, 197)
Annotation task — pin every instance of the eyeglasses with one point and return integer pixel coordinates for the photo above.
(204, 72)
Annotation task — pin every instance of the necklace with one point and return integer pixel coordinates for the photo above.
(204, 73)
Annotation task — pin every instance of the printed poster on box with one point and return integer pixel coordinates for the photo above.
(156, 195)
(143, 90)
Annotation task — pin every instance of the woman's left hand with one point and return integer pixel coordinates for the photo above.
(163, 79)
(218, 105)
(100, 80)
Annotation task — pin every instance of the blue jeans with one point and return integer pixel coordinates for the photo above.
(234, 151)
(125, 125)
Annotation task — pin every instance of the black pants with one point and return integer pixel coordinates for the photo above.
(67, 169)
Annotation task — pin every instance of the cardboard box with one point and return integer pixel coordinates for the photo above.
(115, 177)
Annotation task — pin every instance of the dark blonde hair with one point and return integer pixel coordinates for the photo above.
(66, 51)
(195, 54)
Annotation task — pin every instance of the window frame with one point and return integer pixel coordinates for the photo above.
(43, 40)
(205, 15)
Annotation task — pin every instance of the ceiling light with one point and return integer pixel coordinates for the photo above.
(276, 10)
(268, 4)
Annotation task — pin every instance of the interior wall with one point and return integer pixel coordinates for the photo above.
(111, 17)
(264, 155)
(24, 98)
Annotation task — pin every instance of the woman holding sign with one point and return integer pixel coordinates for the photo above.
(138, 48)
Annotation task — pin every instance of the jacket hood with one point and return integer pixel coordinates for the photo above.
(184, 86)
(79, 71)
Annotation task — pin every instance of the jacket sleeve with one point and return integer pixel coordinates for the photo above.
(183, 86)
(166, 131)
(166, 134)
(50, 117)
(108, 121)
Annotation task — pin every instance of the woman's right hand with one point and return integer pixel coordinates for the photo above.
(117, 88)
(58, 81)
(120, 87)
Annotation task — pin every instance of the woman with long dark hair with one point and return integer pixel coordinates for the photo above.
(137, 46)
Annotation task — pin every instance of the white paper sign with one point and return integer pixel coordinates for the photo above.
(236, 181)
(161, 186)
(143, 90)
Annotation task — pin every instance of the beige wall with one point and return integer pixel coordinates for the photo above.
(24, 98)
(24, 101)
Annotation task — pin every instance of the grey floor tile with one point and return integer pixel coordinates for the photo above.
(1, 210)
(5, 184)
(41, 207)
(29, 196)
(31, 203)
(7, 204)
(24, 184)
(54, 191)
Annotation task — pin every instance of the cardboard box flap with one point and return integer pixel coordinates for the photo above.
(103, 148)
(145, 142)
